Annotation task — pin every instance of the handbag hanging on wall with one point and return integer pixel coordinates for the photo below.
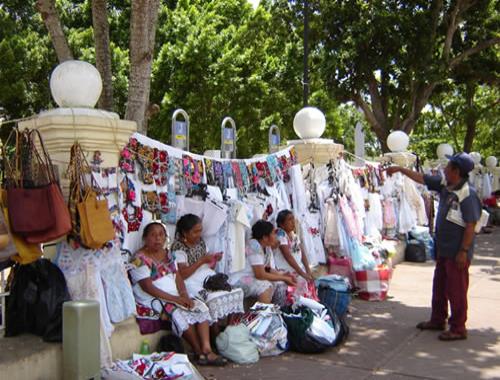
(96, 227)
(90, 216)
(7, 248)
(37, 211)
(20, 251)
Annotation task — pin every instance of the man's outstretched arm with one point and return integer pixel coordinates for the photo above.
(416, 176)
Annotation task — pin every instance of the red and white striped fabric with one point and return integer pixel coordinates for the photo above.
(373, 284)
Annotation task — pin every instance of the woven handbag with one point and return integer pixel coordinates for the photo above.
(90, 216)
(96, 228)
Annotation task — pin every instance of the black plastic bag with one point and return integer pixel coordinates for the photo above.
(299, 321)
(35, 302)
(415, 252)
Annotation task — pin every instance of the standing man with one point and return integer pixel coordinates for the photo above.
(459, 210)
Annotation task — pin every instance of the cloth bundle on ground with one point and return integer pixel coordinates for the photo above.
(35, 302)
(157, 366)
(267, 329)
(236, 344)
(373, 285)
(314, 330)
(334, 292)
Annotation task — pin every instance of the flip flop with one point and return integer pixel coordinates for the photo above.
(219, 361)
(428, 325)
(449, 336)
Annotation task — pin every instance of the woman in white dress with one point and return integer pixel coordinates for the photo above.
(196, 265)
(290, 257)
(158, 289)
(259, 278)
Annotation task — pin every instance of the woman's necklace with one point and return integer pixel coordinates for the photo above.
(157, 256)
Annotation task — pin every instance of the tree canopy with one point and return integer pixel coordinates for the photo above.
(395, 60)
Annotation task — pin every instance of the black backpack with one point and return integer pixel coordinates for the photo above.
(415, 252)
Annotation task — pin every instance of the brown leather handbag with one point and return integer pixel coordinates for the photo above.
(20, 251)
(37, 211)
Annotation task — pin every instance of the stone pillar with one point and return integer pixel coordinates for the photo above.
(309, 124)
(95, 130)
(317, 151)
(75, 87)
(404, 159)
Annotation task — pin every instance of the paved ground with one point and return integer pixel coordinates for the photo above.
(384, 343)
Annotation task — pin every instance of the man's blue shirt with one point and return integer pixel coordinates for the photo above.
(448, 234)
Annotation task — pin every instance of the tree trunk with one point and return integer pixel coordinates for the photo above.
(471, 117)
(143, 22)
(48, 11)
(102, 52)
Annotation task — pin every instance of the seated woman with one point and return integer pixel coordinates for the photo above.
(196, 265)
(259, 279)
(290, 257)
(154, 277)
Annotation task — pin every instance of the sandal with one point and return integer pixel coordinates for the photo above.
(428, 325)
(449, 336)
(219, 361)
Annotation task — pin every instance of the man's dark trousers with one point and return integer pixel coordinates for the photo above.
(450, 284)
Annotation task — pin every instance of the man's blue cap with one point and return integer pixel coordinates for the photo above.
(463, 160)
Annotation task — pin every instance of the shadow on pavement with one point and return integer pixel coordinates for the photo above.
(384, 342)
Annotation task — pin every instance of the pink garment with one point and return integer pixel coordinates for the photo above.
(389, 213)
(349, 219)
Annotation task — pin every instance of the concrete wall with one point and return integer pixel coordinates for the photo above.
(28, 357)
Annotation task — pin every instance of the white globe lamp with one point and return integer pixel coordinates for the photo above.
(309, 123)
(491, 162)
(444, 150)
(398, 141)
(476, 157)
(75, 84)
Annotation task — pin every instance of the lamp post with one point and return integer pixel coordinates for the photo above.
(398, 142)
(274, 138)
(476, 157)
(180, 130)
(309, 123)
(444, 150)
(228, 138)
(75, 84)
(491, 162)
